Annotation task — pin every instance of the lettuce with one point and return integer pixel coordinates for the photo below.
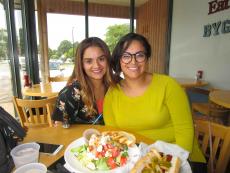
(80, 149)
(101, 164)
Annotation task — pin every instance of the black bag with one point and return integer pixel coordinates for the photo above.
(10, 132)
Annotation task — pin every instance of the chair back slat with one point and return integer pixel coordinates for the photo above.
(220, 136)
(205, 143)
(50, 108)
(33, 113)
(216, 145)
(224, 154)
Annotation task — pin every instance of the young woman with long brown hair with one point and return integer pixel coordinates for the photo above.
(81, 101)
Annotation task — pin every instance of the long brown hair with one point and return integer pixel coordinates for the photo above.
(87, 93)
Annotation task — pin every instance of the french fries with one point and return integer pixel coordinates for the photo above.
(122, 137)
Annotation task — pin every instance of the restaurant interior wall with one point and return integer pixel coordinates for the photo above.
(191, 51)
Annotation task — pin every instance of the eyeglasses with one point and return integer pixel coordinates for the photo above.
(139, 57)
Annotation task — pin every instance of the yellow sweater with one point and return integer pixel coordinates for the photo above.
(161, 113)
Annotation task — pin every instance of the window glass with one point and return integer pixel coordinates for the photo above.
(65, 32)
(111, 28)
(108, 29)
(20, 42)
(6, 90)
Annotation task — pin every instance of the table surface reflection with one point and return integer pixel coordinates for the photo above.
(220, 97)
(189, 82)
(44, 89)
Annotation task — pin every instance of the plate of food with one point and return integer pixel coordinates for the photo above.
(155, 161)
(162, 157)
(107, 152)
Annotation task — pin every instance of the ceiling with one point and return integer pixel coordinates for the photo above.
(115, 2)
(17, 3)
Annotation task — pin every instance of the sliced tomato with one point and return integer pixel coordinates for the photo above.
(111, 163)
(105, 147)
(115, 152)
(103, 153)
(168, 157)
(109, 146)
(123, 160)
(98, 155)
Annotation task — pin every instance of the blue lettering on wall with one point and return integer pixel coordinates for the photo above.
(217, 28)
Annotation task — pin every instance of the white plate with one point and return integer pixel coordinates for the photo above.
(77, 167)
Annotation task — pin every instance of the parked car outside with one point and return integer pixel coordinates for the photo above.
(22, 63)
(53, 65)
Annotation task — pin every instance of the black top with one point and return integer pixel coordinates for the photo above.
(70, 106)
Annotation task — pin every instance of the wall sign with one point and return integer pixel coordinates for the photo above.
(216, 6)
(218, 27)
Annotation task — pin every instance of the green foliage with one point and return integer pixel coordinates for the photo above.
(53, 54)
(21, 43)
(64, 46)
(114, 33)
(70, 54)
(3, 44)
(65, 50)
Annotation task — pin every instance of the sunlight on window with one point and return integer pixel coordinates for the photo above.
(65, 32)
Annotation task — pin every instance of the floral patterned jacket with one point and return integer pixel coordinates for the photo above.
(70, 106)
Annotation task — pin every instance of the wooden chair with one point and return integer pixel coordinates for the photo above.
(33, 113)
(58, 79)
(220, 136)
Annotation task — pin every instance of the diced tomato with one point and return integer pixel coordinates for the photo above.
(123, 160)
(109, 146)
(115, 152)
(111, 163)
(168, 157)
(105, 147)
(98, 155)
(103, 153)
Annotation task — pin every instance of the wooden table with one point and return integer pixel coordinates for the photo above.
(189, 82)
(220, 97)
(44, 89)
(59, 135)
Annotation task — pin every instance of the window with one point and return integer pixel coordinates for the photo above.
(65, 32)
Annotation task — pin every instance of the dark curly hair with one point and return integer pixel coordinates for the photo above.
(123, 45)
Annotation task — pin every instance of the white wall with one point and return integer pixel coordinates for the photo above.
(190, 51)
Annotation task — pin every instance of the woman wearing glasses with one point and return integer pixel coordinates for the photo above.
(152, 105)
(82, 99)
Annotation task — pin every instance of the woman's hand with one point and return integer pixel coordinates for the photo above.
(57, 123)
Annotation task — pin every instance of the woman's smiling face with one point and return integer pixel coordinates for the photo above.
(134, 69)
(94, 63)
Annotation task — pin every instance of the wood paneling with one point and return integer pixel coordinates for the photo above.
(152, 22)
(43, 40)
(100, 10)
